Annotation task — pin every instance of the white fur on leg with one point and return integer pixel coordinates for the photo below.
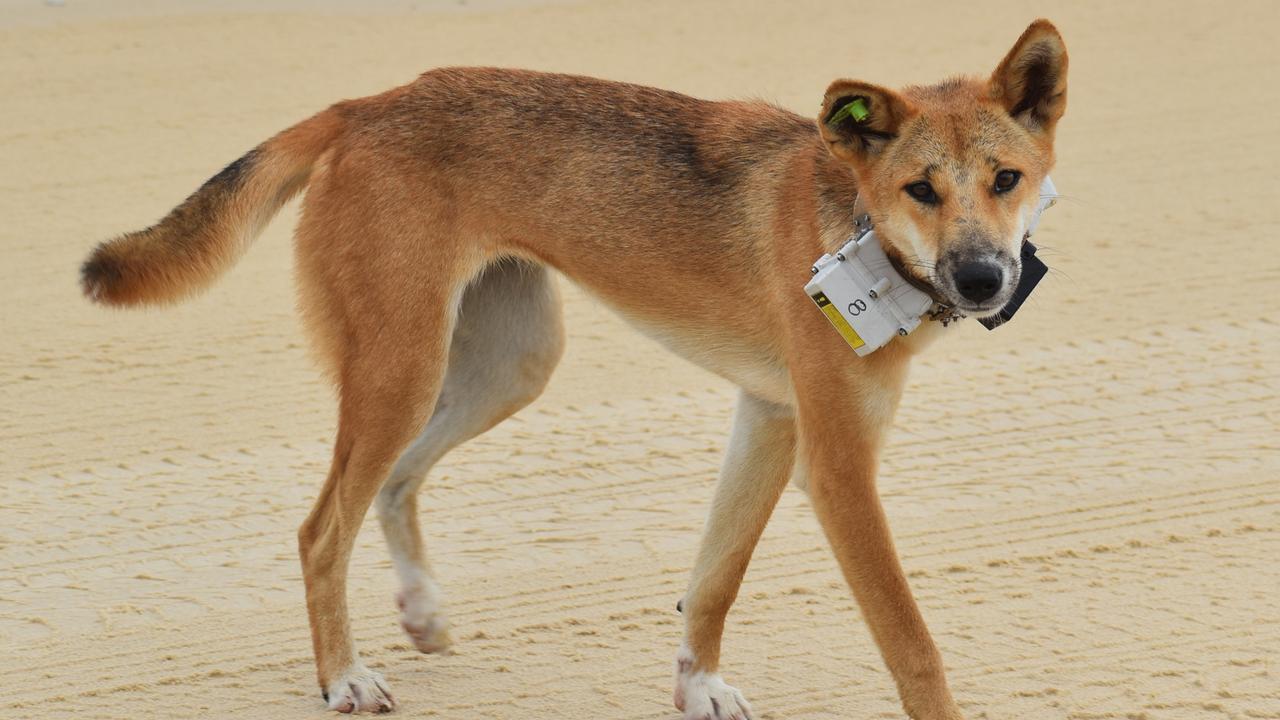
(704, 696)
(421, 617)
(359, 690)
(419, 596)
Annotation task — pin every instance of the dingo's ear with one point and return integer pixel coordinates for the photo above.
(1031, 81)
(858, 119)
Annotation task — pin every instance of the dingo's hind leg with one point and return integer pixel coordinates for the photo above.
(507, 341)
(383, 271)
(388, 383)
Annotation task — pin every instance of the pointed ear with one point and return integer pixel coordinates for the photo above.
(1031, 81)
(858, 119)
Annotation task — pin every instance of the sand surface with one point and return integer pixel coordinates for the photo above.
(1086, 500)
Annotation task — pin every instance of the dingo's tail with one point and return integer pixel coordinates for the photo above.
(204, 236)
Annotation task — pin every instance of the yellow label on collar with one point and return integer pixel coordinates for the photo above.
(842, 326)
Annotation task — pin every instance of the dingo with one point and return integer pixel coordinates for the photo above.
(436, 210)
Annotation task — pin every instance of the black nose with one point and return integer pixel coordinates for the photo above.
(978, 281)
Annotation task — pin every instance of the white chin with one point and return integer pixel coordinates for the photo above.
(981, 311)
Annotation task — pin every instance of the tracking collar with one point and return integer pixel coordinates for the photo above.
(870, 299)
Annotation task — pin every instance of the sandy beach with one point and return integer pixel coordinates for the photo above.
(1087, 501)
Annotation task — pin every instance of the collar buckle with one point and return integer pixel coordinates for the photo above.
(945, 314)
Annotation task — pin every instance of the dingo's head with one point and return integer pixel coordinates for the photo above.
(951, 172)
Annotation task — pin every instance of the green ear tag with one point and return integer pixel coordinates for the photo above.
(856, 109)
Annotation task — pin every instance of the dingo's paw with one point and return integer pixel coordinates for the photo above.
(359, 690)
(704, 696)
(422, 621)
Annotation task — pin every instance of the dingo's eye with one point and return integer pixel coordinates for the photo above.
(923, 192)
(1007, 180)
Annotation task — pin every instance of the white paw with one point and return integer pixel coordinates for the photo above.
(423, 622)
(360, 690)
(703, 696)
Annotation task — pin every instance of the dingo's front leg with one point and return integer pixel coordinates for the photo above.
(843, 413)
(756, 469)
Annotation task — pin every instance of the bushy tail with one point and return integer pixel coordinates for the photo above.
(204, 236)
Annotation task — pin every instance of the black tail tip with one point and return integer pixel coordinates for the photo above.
(99, 275)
